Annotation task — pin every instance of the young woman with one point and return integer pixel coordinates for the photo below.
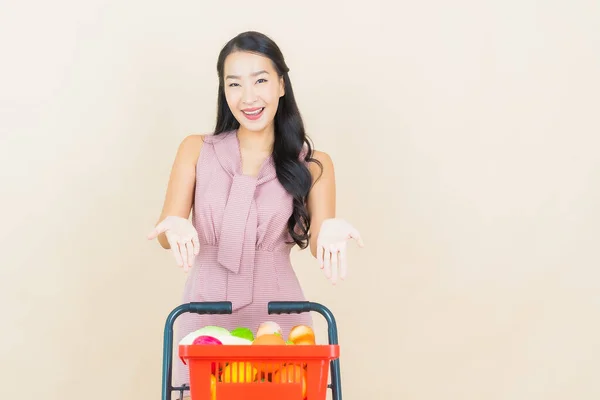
(256, 188)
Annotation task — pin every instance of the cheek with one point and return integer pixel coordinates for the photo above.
(232, 102)
(270, 95)
(232, 98)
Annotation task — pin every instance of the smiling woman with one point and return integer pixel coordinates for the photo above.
(256, 188)
(253, 76)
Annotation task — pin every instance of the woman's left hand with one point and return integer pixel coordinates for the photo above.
(331, 247)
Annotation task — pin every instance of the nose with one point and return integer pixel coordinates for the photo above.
(249, 95)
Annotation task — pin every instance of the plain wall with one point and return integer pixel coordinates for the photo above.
(465, 141)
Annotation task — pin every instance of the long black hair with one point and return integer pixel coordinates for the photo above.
(290, 136)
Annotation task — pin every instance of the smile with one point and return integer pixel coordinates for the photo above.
(253, 114)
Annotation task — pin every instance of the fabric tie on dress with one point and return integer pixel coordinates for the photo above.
(237, 243)
(238, 237)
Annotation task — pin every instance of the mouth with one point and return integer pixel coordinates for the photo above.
(253, 113)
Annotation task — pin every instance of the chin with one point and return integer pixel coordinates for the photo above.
(252, 127)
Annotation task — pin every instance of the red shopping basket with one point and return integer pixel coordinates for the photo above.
(265, 372)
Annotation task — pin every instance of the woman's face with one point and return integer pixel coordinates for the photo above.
(252, 90)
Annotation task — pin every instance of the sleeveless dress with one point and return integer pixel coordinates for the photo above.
(244, 245)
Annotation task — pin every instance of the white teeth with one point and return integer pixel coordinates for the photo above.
(254, 112)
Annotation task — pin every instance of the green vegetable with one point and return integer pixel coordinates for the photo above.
(243, 333)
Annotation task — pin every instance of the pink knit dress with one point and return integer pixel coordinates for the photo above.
(244, 245)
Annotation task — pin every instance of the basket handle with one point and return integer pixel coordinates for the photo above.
(215, 307)
(297, 307)
(209, 307)
(288, 307)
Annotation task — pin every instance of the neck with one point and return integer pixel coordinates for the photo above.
(261, 141)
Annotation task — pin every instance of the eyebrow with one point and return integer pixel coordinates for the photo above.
(252, 74)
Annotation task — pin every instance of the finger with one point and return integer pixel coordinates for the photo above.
(343, 262)
(196, 243)
(334, 263)
(320, 255)
(190, 253)
(158, 229)
(184, 255)
(175, 250)
(354, 234)
(327, 263)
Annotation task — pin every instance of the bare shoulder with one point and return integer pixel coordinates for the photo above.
(322, 168)
(190, 147)
(322, 157)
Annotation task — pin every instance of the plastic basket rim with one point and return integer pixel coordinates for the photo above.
(318, 352)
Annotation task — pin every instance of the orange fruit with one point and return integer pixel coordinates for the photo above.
(302, 335)
(291, 373)
(243, 372)
(270, 339)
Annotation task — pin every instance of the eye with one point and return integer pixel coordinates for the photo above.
(261, 80)
(233, 84)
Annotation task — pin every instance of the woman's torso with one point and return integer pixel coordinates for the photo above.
(242, 227)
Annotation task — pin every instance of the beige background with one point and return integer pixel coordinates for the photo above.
(465, 138)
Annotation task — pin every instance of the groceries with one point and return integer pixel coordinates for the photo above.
(267, 333)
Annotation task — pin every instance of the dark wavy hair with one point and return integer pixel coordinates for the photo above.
(290, 136)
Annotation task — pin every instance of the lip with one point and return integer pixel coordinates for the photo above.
(253, 117)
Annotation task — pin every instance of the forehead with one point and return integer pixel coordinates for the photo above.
(242, 63)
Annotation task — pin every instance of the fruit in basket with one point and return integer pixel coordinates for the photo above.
(288, 373)
(205, 339)
(239, 372)
(188, 339)
(302, 335)
(243, 333)
(291, 373)
(214, 331)
(234, 340)
(269, 339)
(213, 386)
(268, 328)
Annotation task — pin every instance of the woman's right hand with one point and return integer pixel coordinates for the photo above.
(182, 238)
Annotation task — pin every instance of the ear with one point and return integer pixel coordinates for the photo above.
(281, 87)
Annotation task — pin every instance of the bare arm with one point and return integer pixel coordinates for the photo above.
(321, 199)
(182, 182)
